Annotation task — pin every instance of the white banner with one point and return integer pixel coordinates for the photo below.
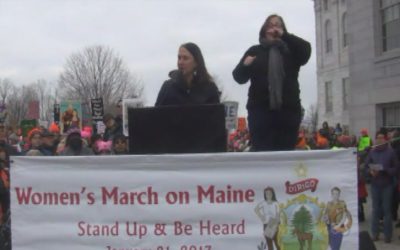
(185, 202)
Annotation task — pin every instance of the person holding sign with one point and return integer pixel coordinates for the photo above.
(268, 211)
(191, 83)
(382, 165)
(274, 108)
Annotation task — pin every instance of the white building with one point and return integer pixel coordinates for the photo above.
(358, 63)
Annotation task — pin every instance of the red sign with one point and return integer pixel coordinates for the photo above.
(33, 111)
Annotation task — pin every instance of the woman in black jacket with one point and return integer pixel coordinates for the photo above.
(191, 83)
(274, 108)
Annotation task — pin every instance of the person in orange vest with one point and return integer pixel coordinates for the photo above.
(321, 142)
(301, 142)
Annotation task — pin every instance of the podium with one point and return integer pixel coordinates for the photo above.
(177, 129)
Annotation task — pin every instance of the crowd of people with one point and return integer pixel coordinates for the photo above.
(378, 159)
(50, 141)
(41, 141)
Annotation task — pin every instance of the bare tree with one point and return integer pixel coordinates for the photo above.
(223, 96)
(97, 72)
(5, 86)
(18, 101)
(312, 117)
(18, 98)
(47, 97)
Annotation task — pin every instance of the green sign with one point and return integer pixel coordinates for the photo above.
(27, 125)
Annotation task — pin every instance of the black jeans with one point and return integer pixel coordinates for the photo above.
(272, 130)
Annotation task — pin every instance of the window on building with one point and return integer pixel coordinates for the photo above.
(346, 92)
(328, 37)
(390, 16)
(344, 29)
(391, 115)
(326, 5)
(328, 97)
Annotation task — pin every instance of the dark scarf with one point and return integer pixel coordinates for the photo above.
(276, 71)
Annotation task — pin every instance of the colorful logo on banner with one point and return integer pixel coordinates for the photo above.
(70, 115)
(303, 222)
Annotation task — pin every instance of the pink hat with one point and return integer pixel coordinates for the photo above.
(364, 131)
(86, 132)
(103, 145)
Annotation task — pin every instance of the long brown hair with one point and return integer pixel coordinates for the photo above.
(264, 26)
(202, 75)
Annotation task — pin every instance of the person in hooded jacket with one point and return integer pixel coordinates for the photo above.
(274, 107)
(191, 83)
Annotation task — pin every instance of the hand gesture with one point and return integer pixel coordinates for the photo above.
(249, 60)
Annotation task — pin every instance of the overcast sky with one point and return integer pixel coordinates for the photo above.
(38, 35)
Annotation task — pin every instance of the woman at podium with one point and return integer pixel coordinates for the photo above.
(191, 83)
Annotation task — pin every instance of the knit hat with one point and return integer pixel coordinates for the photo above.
(33, 132)
(86, 132)
(104, 146)
(54, 128)
(364, 132)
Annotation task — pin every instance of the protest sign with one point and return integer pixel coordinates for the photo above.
(27, 125)
(33, 110)
(71, 115)
(56, 113)
(242, 125)
(97, 109)
(231, 112)
(86, 115)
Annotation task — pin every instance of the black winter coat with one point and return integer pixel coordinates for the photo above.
(257, 72)
(175, 92)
